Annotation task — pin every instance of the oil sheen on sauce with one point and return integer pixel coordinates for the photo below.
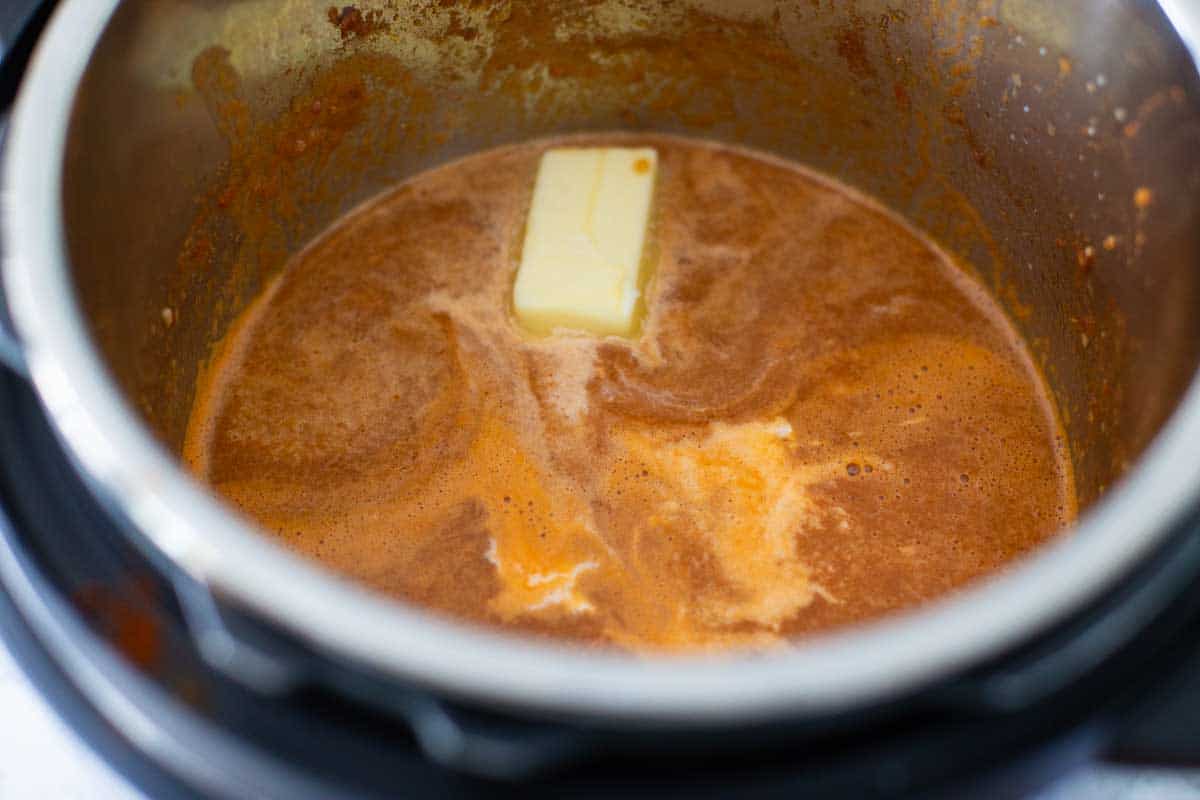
(824, 420)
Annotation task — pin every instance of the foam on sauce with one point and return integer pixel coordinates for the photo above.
(824, 420)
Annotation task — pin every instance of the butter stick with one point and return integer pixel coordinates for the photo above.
(582, 258)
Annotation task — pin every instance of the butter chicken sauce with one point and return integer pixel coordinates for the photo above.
(825, 419)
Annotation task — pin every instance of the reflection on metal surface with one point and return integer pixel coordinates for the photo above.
(1054, 25)
(1185, 16)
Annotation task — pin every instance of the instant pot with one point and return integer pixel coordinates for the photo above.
(1053, 145)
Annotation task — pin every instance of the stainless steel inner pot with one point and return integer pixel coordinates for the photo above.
(1055, 146)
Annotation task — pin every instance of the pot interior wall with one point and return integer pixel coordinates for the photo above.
(1052, 145)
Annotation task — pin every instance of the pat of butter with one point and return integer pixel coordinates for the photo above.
(581, 263)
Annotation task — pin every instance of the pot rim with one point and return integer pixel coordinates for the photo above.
(128, 468)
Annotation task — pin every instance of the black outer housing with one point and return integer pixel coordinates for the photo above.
(1120, 680)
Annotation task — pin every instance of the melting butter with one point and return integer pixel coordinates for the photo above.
(581, 264)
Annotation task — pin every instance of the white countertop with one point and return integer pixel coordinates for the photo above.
(41, 758)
